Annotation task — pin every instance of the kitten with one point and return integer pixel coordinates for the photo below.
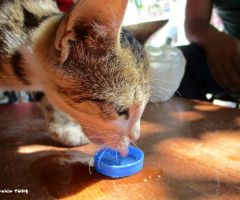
(81, 63)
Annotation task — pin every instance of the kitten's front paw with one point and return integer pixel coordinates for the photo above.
(69, 134)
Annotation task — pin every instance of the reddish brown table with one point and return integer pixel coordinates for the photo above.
(192, 152)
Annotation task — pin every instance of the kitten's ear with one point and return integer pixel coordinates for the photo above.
(92, 21)
(143, 31)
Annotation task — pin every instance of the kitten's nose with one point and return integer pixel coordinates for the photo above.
(129, 121)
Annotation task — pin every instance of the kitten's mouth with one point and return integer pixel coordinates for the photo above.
(122, 146)
(124, 150)
(117, 141)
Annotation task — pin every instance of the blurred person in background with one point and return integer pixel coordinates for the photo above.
(213, 57)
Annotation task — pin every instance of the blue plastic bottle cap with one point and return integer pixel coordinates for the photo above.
(111, 163)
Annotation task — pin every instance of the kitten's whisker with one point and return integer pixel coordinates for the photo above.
(162, 80)
(161, 93)
(166, 90)
(89, 165)
(178, 93)
(154, 102)
(165, 81)
(116, 155)
(158, 89)
(102, 156)
(90, 126)
(87, 125)
(102, 136)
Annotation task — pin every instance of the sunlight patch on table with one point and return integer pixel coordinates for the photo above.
(187, 116)
(34, 148)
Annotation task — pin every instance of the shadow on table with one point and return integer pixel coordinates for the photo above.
(197, 146)
(65, 173)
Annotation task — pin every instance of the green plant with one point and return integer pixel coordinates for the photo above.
(138, 3)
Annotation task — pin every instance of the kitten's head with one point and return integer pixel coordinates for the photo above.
(99, 73)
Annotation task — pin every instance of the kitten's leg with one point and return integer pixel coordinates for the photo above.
(61, 128)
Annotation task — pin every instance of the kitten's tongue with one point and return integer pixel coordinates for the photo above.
(124, 151)
(123, 147)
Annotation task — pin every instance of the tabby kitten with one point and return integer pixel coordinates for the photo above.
(81, 63)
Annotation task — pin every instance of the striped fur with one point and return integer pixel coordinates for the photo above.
(84, 62)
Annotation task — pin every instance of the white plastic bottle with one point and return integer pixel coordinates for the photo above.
(168, 66)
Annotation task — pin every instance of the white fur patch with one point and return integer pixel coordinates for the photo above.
(70, 134)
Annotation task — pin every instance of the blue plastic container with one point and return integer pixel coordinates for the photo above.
(111, 163)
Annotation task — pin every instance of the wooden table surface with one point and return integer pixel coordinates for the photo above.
(192, 151)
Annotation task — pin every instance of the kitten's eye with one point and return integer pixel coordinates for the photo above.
(123, 112)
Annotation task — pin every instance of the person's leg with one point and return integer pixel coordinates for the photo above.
(191, 85)
(197, 80)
